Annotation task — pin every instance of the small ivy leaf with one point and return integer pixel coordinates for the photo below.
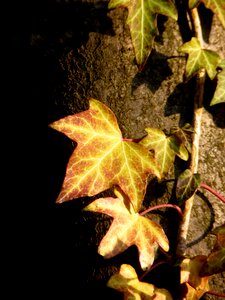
(193, 287)
(164, 148)
(102, 159)
(184, 135)
(219, 95)
(199, 58)
(157, 141)
(128, 228)
(193, 3)
(127, 282)
(187, 184)
(178, 147)
(215, 262)
(142, 21)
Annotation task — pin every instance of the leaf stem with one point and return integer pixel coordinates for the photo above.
(197, 115)
(211, 190)
(152, 267)
(215, 293)
(162, 206)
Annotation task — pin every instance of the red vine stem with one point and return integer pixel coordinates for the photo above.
(162, 206)
(215, 294)
(153, 267)
(211, 190)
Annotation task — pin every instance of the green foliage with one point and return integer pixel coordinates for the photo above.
(199, 58)
(165, 148)
(187, 185)
(142, 20)
(103, 160)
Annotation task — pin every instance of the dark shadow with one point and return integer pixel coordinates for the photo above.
(161, 20)
(206, 17)
(185, 30)
(217, 111)
(155, 71)
(211, 222)
(52, 246)
(181, 102)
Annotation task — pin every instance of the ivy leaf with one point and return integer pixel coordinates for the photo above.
(217, 6)
(219, 95)
(127, 282)
(102, 158)
(178, 147)
(187, 184)
(128, 228)
(142, 21)
(193, 3)
(199, 58)
(165, 148)
(215, 262)
(193, 286)
(184, 135)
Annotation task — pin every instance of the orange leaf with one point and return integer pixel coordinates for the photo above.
(102, 158)
(128, 228)
(126, 281)
(192, 284)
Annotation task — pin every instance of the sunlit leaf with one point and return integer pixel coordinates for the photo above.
(128, 228)
(219, 95)
(102, 158)
(184, 135)
(215, 262)
(193, 3)
(178, 147)
(127, 282)
(187, 184)
(142, 20)
(199, 58)
(164, 148)
(193, 286)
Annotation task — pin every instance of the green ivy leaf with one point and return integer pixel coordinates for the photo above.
(142, 20)
(178, 147)
(184, 135)
(219, 95)
(165, 148)
(187, 184)
(199, 58)
(193, 3)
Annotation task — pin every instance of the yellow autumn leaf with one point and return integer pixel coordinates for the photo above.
(102, 159)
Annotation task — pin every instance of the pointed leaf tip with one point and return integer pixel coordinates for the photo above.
(128, 228)
(142, 21)
(101, 158)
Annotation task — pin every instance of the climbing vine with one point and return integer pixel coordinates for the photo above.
(103, 159)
